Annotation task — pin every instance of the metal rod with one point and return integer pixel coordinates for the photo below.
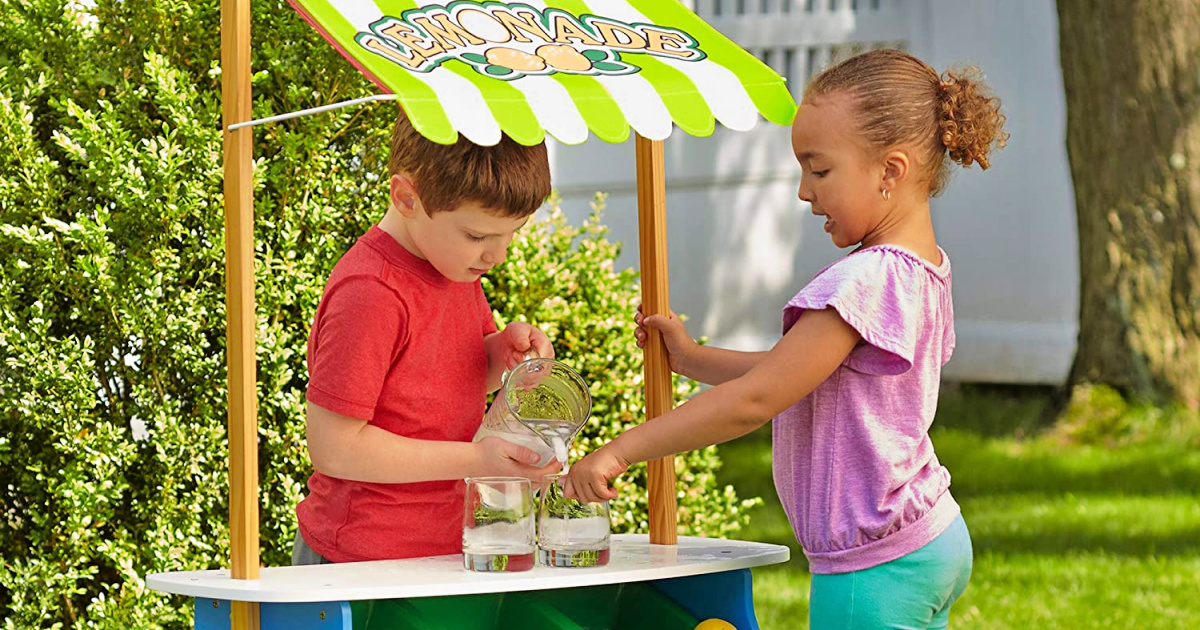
(313, 110)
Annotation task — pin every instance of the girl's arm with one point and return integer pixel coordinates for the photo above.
(806, 356)
(714, 366)
(706, 364)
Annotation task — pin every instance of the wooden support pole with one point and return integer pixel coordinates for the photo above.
(239, 304)
(656, 299)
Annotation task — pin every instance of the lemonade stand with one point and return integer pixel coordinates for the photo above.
(570, 69)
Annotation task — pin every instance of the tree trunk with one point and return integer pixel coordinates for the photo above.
(1131, 69)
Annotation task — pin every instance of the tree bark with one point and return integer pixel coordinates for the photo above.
(1131, 69)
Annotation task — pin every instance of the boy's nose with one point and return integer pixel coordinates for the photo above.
(495, 256)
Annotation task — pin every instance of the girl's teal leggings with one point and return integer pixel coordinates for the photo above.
(912, 592)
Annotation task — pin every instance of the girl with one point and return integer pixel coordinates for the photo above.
(853, 384)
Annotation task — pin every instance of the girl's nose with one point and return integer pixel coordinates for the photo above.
(805, 193)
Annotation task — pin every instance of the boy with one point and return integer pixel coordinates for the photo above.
(403, 351)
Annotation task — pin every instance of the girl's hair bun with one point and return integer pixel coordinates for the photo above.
(970, 124)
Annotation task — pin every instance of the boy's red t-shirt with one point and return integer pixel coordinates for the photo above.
(399, 345)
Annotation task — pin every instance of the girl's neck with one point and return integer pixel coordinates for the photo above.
(910, 227)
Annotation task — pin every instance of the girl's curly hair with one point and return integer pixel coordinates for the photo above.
(902, 102)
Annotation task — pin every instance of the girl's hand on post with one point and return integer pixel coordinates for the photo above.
(675, 337)
(588, 480)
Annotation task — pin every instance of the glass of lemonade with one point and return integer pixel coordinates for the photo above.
(570, 533)
(498, 524)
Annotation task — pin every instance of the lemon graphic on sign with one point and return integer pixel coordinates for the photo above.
(507, 63)
(566, 59)
(513, 59)
(563, 57)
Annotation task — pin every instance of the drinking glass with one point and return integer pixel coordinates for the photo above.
(570, 533)
(498, 524)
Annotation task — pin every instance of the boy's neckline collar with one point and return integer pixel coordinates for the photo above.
(398, 255)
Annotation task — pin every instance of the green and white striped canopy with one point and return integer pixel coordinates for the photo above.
(562, 66)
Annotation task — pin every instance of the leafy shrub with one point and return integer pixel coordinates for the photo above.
(1100, 415)
(112, 315)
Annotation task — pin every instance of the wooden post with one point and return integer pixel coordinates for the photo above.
(239, 304)
(656, 299)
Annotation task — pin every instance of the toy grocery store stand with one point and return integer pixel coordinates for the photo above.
(644, 587)
(483, 70)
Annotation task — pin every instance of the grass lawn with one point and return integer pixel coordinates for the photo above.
(1066, 536)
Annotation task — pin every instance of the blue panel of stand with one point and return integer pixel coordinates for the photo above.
(727, 595)
(213, 614)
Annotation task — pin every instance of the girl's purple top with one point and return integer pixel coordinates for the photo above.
(853, 463)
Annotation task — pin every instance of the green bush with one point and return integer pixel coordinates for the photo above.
(112, 322)
(1100, 415)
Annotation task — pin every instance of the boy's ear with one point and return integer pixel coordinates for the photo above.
(404, 195)
(896, 167)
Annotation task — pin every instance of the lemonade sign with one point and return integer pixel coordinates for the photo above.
(510, 41)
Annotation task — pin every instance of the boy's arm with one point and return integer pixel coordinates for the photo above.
(350, 448)
(496, 364)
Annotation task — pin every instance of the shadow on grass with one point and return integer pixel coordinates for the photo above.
(1063, 524)
(1012, 411)
(1065, 541)
(987, 467)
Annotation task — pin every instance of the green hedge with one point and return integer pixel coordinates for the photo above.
(112, 323)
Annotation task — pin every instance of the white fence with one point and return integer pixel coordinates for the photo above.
(741, 243)
(799, 37)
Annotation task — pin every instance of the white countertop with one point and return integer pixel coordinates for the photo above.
(633, 559)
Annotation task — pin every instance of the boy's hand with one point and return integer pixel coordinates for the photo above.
(520, 339)
(588, 479)
(498, 457)
(676, 338)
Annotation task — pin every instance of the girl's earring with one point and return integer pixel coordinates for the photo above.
(887, 195)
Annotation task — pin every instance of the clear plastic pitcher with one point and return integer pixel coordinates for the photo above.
(542, 404)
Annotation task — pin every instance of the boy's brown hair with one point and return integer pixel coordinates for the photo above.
(509, 178)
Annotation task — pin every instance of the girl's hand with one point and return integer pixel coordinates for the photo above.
(588, 479)
(520, 339)
(675, 337)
